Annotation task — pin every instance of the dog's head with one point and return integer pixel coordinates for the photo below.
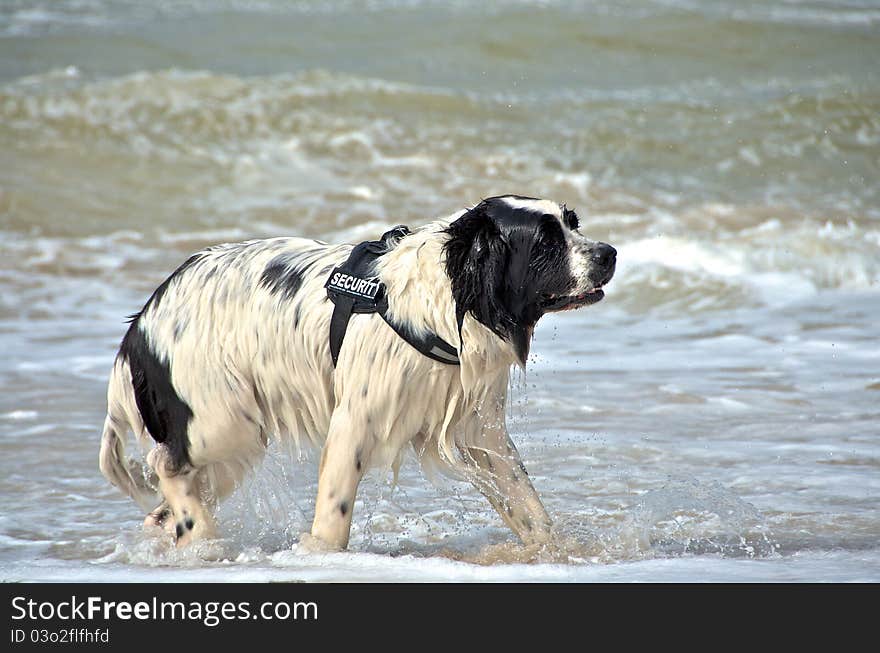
(511, 259)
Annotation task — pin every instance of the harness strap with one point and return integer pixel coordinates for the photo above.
(352, 289)
(342, 311)
(430, 345)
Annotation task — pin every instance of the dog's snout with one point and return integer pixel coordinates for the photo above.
(603, 255)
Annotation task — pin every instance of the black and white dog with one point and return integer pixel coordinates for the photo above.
(234, 349)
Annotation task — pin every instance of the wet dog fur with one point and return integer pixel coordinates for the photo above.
(232, 350)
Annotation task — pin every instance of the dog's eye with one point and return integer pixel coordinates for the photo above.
(551, 231)
(571, 219)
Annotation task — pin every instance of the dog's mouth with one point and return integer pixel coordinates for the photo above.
(554, 303)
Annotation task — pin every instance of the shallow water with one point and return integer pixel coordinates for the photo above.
(714, 418)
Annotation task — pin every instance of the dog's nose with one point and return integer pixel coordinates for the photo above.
(603, 255)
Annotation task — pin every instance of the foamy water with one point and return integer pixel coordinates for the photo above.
(714, 418)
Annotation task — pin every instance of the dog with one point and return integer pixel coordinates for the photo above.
(234, 349)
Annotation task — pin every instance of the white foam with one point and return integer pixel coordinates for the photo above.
(363, 192)
(771, 261)
(579, 181)
(21, 415)
(681, 254)
(828, 566)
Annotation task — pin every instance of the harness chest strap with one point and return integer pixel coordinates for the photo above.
(352, 289)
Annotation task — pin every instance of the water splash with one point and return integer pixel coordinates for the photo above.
(686, 516)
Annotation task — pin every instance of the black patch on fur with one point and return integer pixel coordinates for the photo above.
(189, 523)
(503, 262)
(282, 276)
(179, 531)
(343, 508)
(165, 414)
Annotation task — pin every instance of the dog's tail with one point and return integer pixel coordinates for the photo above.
(127, 474)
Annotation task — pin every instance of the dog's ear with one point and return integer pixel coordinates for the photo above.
(478, 263)
(472, 255)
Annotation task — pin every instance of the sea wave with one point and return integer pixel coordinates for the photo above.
(38, 17)
(812, 145)
(116, 179)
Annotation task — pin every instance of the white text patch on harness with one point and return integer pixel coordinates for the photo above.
(353, 286)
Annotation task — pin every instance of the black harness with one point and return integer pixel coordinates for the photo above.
(354, 288)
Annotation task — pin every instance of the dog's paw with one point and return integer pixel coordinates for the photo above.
(159, 520)
(308, 543)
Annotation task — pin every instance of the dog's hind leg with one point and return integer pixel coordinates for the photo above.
(181, 488)
(343, 461)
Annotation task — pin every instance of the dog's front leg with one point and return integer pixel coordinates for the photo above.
(498, 472)
(343, 462)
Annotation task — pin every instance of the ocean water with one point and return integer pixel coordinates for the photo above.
(715, 418)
